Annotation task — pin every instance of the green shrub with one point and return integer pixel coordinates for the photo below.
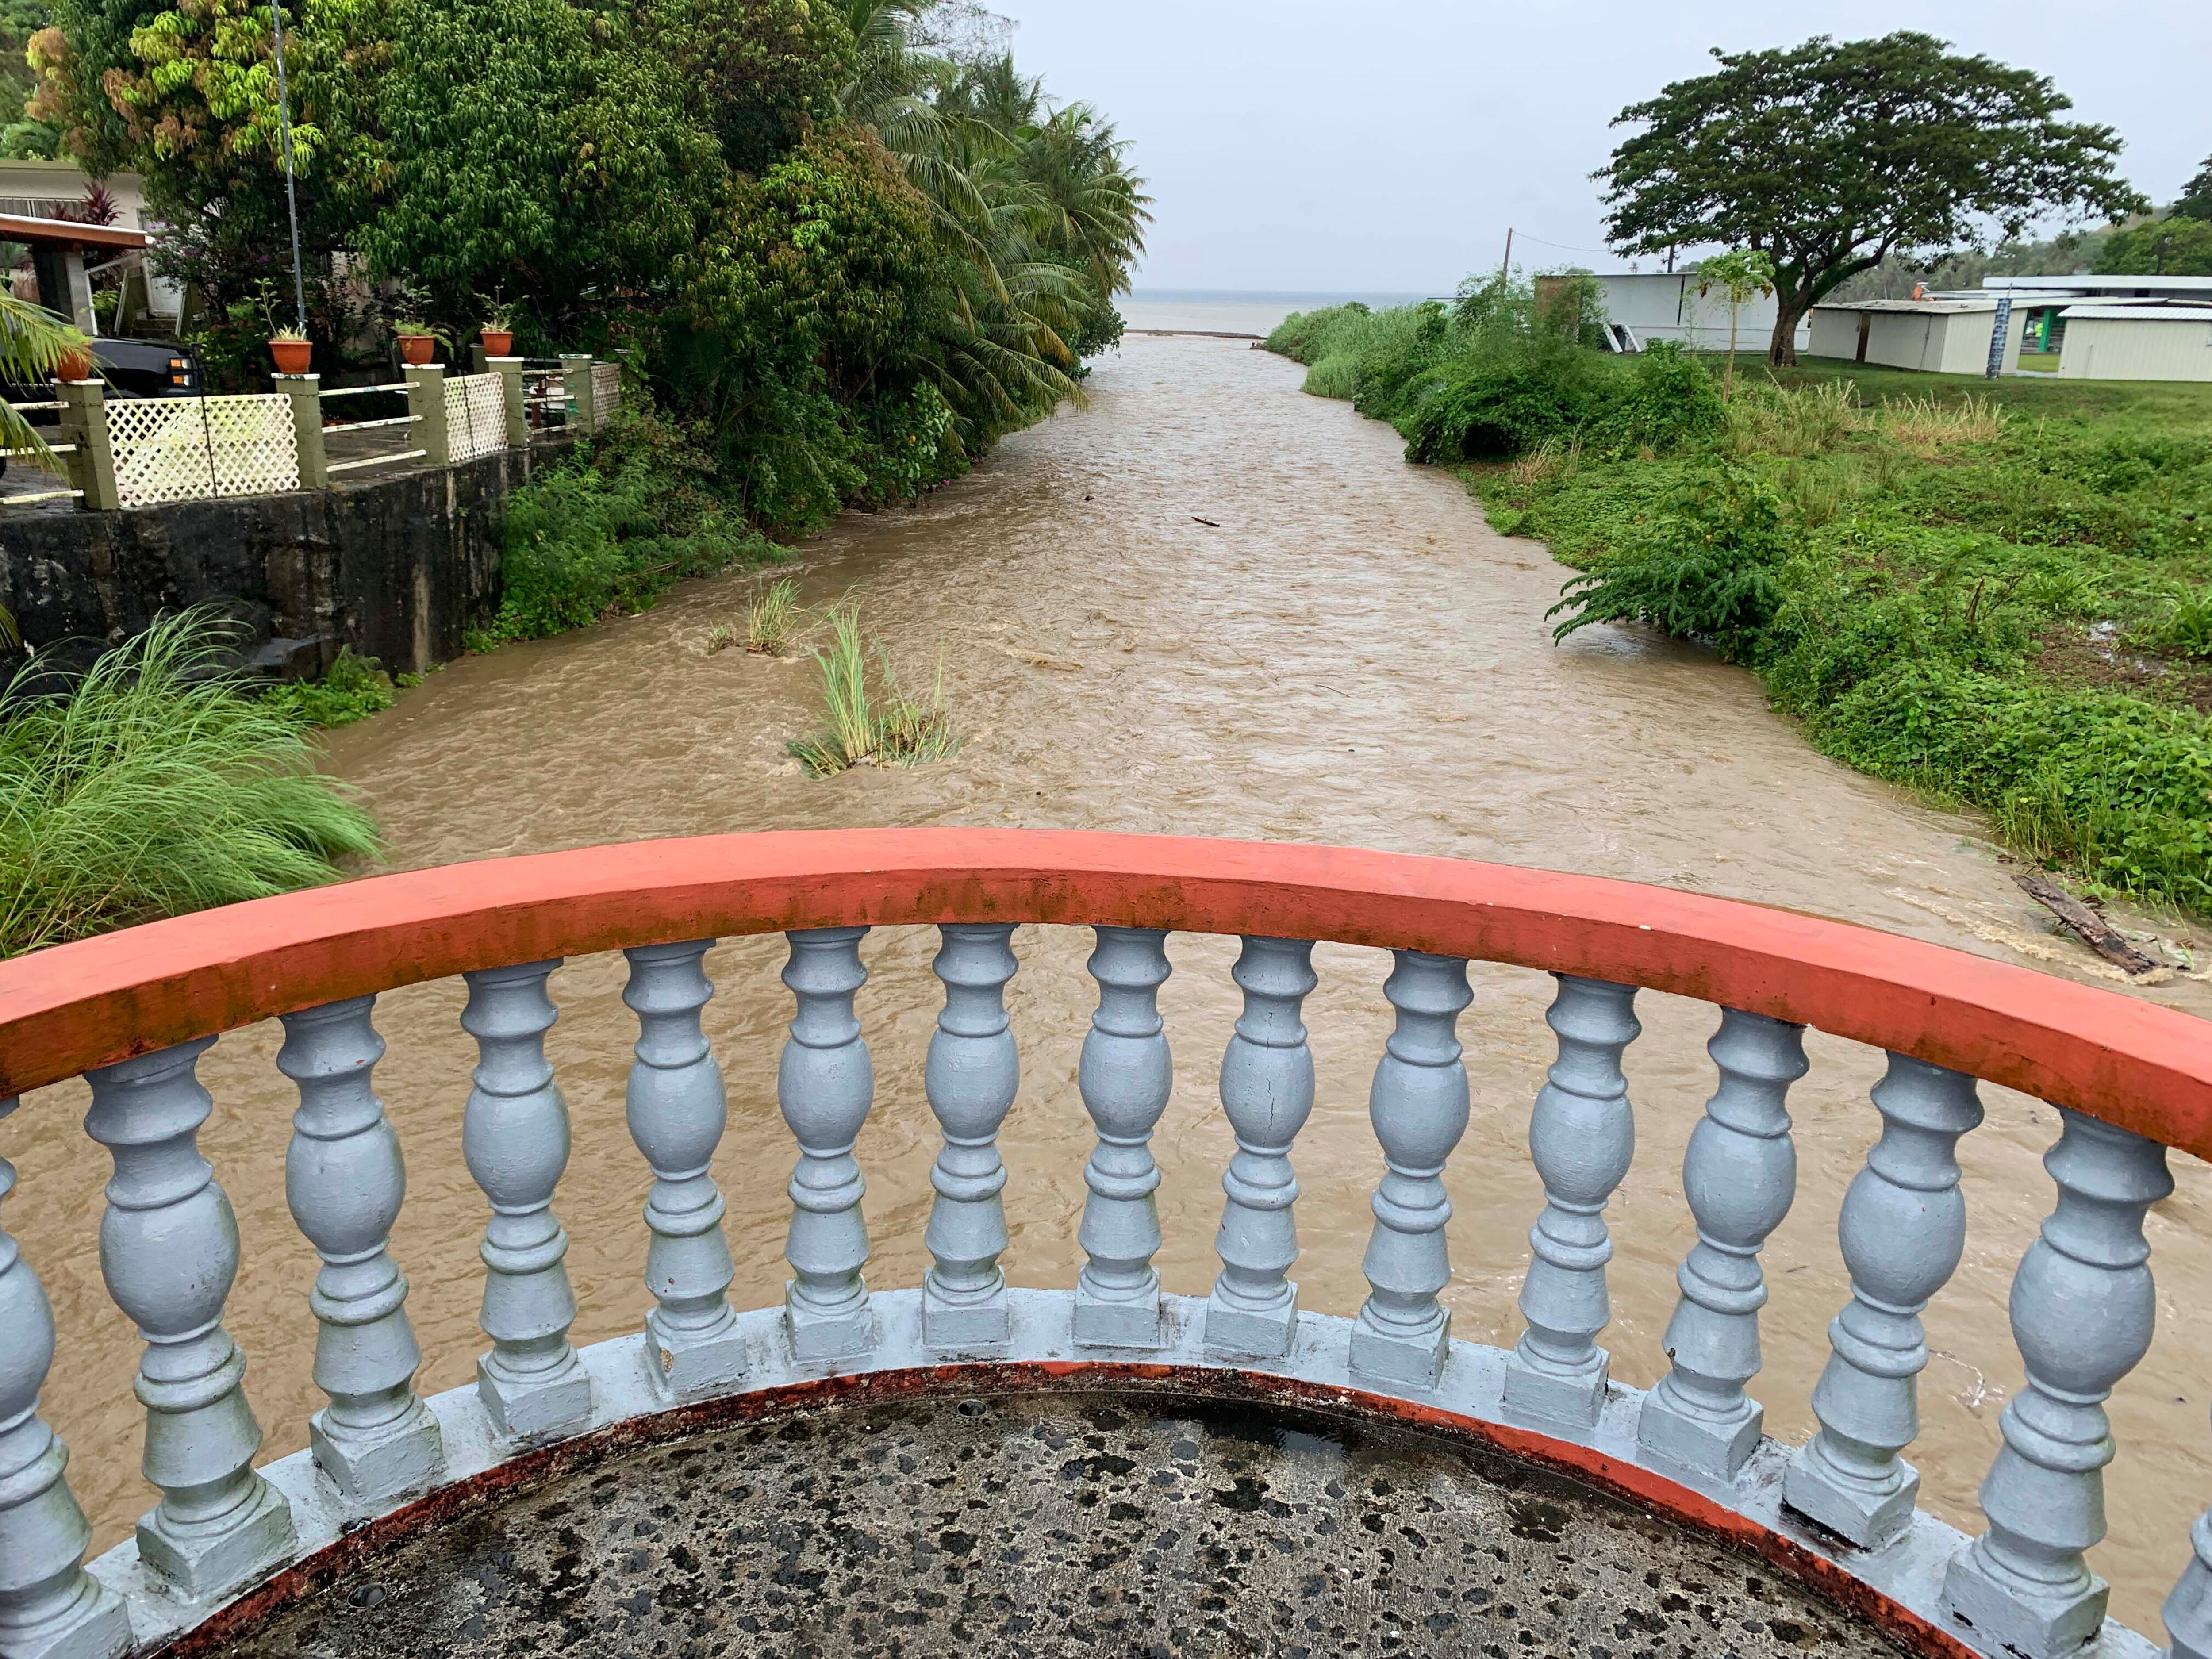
(1708, 567)
(353, 690)
(610, 529)
(156, 784)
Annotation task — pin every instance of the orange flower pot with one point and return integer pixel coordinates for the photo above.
(77, 366)
(417, 348)
(292, 356)
(499, 341)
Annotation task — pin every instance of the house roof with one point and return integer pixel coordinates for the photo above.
(67, 233)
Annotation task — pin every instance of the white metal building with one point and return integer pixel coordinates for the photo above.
(2137, 341)
(1948, 335)
(1665, 305)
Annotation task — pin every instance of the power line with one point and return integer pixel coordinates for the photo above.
(1564, 247)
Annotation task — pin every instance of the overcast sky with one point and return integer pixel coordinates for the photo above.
(1386, 145)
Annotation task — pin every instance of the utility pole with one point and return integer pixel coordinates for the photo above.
(1505, 266)
(291, 194)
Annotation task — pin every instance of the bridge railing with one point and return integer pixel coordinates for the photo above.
(133, 1012)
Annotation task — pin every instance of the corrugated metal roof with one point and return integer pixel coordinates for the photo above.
(2140, 313)
(2087, 284)
(1945, 307)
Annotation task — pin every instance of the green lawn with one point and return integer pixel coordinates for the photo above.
(2188, 401)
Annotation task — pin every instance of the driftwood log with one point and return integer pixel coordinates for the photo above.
(2093, 930)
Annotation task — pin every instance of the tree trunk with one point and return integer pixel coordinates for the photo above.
(1788, 308)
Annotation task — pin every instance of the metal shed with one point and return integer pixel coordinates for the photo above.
(1941, 336)
(2137, 343)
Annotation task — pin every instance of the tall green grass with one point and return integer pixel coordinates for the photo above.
(155, 786)
(872, 720)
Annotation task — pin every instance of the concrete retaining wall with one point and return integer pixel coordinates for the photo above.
(397, 567)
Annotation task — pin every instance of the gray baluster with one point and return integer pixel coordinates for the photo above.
(1127, 1075)
(677, 1111)
(1581, 1137)
(345, 1181)
(2188, 1609)
(1418, 1106)
(1267, 1092)
(50, 1607)
(514, 1137)
(825, 1084)
(168, 1250)
(971, 1077)
(1739, 1175)
(2083, 1308)
(1903, 1230)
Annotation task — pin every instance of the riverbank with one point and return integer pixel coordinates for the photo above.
(1993, 592)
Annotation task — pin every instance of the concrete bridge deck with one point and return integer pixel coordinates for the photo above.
(1046, 1523)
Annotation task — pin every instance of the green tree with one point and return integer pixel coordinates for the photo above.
(71, 59)
(1742, 275)
(536, 154)
(1829, 156)
(2168, 247)
(192, 93)
(2195, 201)
(21, 135)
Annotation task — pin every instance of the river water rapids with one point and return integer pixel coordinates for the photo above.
(1352, 656)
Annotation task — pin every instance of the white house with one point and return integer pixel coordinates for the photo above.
(1949, 335)
(41, 198)
(1665, 305)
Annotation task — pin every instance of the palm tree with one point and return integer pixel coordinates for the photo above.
(1037, 205)
(33, 345)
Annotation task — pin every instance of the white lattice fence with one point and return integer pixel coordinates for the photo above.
(607, 392)
(177, 449)
(475, 416)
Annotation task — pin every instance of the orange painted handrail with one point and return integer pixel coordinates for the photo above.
(2131, 1062)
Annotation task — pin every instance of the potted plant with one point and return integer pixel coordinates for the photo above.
(74, 364)
(292, 350)
(499, 336)
(418, 341)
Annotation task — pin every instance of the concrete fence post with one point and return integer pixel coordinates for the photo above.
(84, 423)
(511, 395)
(306, 391)
(576, 381)
(426, 402)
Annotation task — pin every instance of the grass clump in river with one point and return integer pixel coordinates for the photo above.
(870, 719)
(775, 619)
(155, 785)
(1998, 592)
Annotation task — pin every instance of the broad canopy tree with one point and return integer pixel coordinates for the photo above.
(1828, 157)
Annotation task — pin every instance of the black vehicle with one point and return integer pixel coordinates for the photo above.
(131, 368)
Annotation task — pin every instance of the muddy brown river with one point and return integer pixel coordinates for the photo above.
(1352, 656)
